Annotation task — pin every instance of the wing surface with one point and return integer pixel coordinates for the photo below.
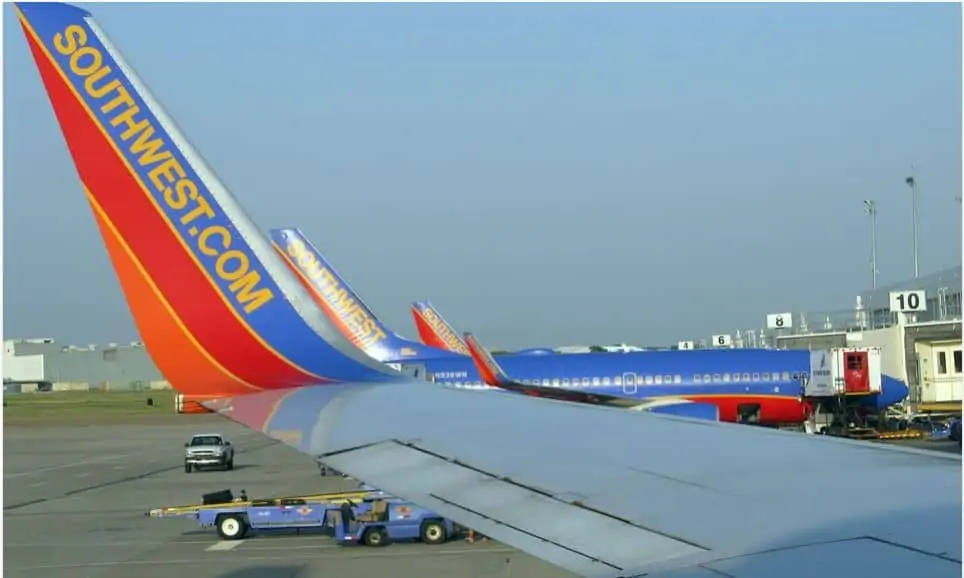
(596, 490)
(606, 492)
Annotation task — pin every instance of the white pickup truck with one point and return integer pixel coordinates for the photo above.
(206, 450)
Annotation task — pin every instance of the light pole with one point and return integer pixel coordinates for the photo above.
(914, 193)
(870, 207)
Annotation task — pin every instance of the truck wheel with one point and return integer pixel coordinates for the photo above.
(187, 468)
(231, 528)
(434, 532)
(229, 465)
(375, 537)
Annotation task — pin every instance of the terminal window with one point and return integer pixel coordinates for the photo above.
(941, 362)
(957, 361)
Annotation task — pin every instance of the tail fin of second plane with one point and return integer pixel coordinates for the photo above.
(434, 330)
(218, 310)
(343, 306)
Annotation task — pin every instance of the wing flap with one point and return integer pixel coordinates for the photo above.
(857, 557)
(563, 532)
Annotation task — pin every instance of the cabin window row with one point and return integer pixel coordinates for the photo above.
(747, 377)
(765, 376)
(665, 379)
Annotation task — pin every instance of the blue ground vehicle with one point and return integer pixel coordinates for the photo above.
(392, 520)
(234, 517)
(955, 430)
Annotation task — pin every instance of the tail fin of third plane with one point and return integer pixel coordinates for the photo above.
(217, 309)
(434, 330)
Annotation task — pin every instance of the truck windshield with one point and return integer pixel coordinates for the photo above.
(206, 441)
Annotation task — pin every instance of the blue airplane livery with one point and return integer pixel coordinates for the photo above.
(751, 385)
(593, 490)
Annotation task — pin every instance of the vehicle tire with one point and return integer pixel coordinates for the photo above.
(229, 465)
(375, 537)
(434, 532)
(187, 468)
(232, 528)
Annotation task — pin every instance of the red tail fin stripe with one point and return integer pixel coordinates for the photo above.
(452, 344)
(111, 233)
(485, 365)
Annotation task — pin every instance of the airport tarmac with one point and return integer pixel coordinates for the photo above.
(75, 500)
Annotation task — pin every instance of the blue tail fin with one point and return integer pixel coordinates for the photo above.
(342, 305)
(217, 309)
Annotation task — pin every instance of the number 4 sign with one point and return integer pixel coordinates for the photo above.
(779, 320)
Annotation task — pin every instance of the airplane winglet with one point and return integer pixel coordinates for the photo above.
(489, 369)
(492, 374)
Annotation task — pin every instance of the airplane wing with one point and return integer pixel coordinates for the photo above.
(492, 374)
(599, 491)
(607, 492)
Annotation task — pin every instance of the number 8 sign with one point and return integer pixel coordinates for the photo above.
(779, 321)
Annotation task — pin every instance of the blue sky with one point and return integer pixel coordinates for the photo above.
(545, 174)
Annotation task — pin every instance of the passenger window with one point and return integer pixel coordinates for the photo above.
(697, 378)
(618, 381)
(545, 382)
(658, 379)
(649, 380)
(706, 377)
(585, 381)
(726, 378)
(796, 376)
(786, 376)
(766, 376)
(565, 381)
(595, 381)
(677, 379)
(605, 381)
(667, 379)
(736, 377)
(717, 378)
(746, 377)
(555, 382)
(756, 377)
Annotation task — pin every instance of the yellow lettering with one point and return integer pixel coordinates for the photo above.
(243, 291)
(363, 328)
(221, 265)
(341, 301)
(150, 150)
(123, 97)
(89, 83)
(202, 208)
(171, 169)
(96, 61)
(177, 198)
(126, 117)
(442, 331)
(168, 177)
(206, 234)
(73, 37)
(296, 248)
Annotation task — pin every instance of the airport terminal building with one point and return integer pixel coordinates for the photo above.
(916, 323)
(28, 362)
